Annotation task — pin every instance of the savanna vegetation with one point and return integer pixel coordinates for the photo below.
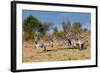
(42, 45)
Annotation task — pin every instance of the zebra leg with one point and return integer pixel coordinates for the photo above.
(51, 45)
(45, 49)
(81, 46)
(77, 45)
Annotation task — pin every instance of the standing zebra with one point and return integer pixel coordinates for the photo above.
(80, 43)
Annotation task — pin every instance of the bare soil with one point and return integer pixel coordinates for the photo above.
(57, 53)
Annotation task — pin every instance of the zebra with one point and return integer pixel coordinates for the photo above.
(44, 44)
(78, 43)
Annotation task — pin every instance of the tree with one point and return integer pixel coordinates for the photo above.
(58, 33)
(46, 27)
(31, 25)
(55, 29)
(85, 29)
(76, 28)
(66, 26)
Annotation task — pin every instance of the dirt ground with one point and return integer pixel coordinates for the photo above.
(57, 53)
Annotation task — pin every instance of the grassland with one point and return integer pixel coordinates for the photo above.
(57, 53)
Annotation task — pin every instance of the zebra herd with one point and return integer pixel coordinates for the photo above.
(44, 44)
(79, 43)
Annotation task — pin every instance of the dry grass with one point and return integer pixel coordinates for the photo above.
(32, 54)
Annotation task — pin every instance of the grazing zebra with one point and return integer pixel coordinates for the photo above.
(68, 39)
(38, 44)
(44, 44)
(47, 44)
